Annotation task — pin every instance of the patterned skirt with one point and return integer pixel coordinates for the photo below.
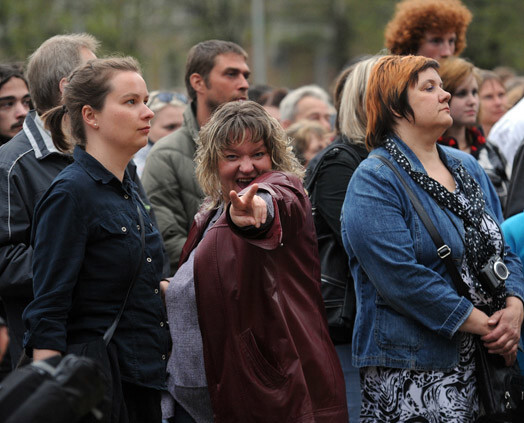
(404, 395)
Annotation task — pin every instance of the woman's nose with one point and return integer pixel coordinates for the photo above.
(149, 114)
(445, 95)
(246, 165)
(473, 98)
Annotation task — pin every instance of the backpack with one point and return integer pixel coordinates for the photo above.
(336, 286)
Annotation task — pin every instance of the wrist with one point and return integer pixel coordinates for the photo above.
(514, 302)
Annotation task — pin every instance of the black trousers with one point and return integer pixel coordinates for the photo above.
(142, 404)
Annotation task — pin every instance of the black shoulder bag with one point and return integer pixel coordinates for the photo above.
(501, 388)
(105, 353)
(336, 282)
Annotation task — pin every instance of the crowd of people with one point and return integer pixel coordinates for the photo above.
(252, 254)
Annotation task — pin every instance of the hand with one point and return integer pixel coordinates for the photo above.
(43, 354)
(248, 210)
(163, 288)
(4, 341)
(510, 358)
(505, 334)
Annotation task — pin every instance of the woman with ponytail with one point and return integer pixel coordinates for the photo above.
(94, 243)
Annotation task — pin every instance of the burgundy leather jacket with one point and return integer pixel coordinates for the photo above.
(267, 352)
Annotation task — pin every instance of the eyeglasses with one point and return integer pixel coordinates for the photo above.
(167, 97)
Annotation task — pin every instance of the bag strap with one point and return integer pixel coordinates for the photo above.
(331, 155)
(111, 330)
(326, 155)
(443, 250)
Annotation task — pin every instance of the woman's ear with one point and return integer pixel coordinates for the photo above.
(90, 116)
(395, 113)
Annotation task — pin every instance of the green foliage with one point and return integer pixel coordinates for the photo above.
(496, 35)
(306, 40)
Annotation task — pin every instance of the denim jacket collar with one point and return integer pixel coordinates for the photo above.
(452, 163)
(97, 171)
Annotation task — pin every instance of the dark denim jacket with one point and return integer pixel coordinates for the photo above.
(86, 248)
(408, 312)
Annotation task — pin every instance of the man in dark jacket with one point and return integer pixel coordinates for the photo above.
(28, 165)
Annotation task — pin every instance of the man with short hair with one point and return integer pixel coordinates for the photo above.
(216, 73)
(309, 102)
(28, 165)
(15, 101)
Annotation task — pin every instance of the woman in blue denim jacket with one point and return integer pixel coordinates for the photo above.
(413, 332)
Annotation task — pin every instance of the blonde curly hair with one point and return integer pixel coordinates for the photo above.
(233, 123)
(414, 18)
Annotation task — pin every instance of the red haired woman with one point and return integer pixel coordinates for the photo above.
(413, 337)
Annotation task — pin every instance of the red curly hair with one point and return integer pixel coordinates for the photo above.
(414, 18)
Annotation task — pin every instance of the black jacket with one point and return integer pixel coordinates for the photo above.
(28, 165)
(326, 181)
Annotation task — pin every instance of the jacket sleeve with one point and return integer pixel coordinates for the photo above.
(16, 253)
(56, 267)
(375, 232)
(291, 208)
(164, 186)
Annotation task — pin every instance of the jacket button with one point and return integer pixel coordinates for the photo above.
(149, 260)
(124, 229)
(161, 324)
(156, 291)
(138, 227)
(163, 356)
(126, 196)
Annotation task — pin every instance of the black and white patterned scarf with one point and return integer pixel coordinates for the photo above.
(478, 245)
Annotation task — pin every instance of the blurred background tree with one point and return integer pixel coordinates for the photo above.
(305, 41)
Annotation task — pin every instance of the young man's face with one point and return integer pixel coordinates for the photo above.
(15, 103)
(438, 45)
(227, 81)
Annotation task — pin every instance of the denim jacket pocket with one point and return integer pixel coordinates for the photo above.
(395, 331)
(268, 374)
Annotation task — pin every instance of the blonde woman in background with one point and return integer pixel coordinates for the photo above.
(168, 108)
(308, 138)
(493, 101)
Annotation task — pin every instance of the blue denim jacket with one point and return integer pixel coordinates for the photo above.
(408, 312)
(86, 241)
